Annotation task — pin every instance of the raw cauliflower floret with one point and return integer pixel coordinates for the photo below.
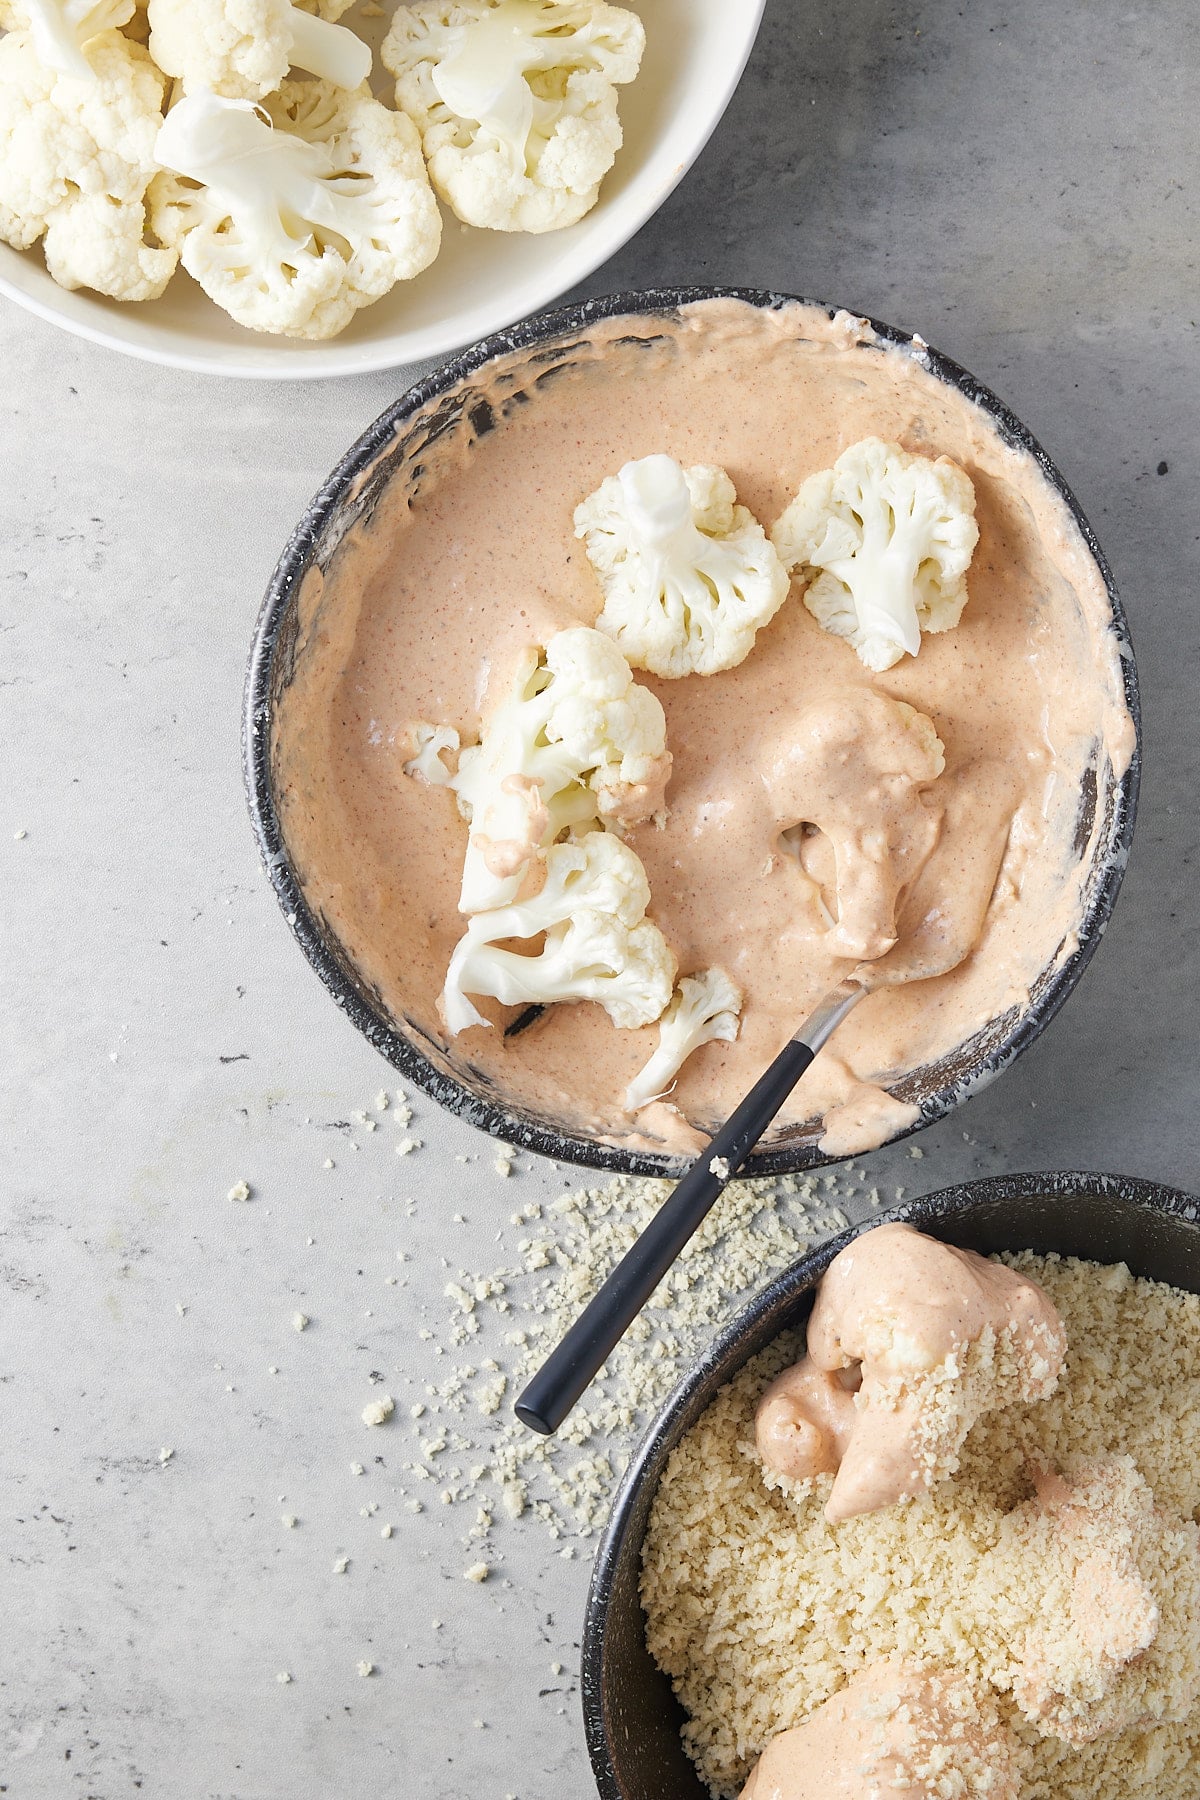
(62, 29)
(689, 577)
(428, 743)
(76, 159)
(704, 1007)
(573, 739)
(599, 944)
(293, 220)
(884, 540)
(244, 48)
(515, 101)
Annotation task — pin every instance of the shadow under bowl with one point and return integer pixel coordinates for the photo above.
(631, 1716)
(453, 400)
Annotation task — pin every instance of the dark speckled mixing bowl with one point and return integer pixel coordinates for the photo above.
(391, 451)
(630, 1713)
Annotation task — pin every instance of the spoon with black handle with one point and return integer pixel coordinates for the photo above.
(567, 1371)
(949, 923)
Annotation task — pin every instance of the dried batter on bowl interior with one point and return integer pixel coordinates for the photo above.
(1056, 1571)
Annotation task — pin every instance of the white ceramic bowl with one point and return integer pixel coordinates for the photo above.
(482, 280)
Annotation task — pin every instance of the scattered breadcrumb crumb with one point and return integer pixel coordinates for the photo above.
(239, 1191)
(366, 1668)
(283, 1676)
(164, 1455)
(289, 1521)
(377, 1412)
(300, 1321)
(477, 1572)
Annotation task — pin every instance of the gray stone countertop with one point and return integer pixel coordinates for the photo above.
(1021, 184)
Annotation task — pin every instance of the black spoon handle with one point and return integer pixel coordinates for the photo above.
(569, 1369)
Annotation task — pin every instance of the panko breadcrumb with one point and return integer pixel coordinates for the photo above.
(759, 1610)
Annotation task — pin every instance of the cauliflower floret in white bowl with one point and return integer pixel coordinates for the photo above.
(244, 48)
(516, 102)
(294, 213)
(76, 160)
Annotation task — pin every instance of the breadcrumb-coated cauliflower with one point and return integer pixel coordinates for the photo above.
(244, 48)
(515, 101)
(572, 739)
(76, 160)
(1095, 1589)
(689, 577)
(599, 944)
(293, 214)
(704, 1007)
(884, 540)
(62, 29)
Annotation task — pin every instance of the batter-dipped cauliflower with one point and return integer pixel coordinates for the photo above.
(703, 1008)
(516, 102)
(689, 577)
(599, 944)
(62, 29)
(884, 540)
(293, 214)
(244, 48)
(76, 159)
(572, 739)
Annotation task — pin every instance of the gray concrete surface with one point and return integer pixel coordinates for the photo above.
(1019, 182)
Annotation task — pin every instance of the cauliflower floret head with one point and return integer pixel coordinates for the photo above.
(573, 738)
(515, 101)
(62, 29)
(884, 540)
(76, 160)
(689, 578)
(293, 214)
(703, 1008)
(428, 742)
(244, 48)
(598, 944)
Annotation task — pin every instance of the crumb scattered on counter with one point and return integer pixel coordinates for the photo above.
(240, 1190)
(300, 1321)
(377, 1412)
(477, 1572)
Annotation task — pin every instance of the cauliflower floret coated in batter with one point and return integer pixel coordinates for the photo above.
(76, 159)
(292, 221)
(689, 577)
(599, 944)
(244, 48)
(515, 101)
(884, 540)
(573, 739)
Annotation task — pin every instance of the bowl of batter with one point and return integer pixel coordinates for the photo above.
(441, 548)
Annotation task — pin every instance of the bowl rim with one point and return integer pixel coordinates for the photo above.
(682, 1406)
(493, 1116)
(609, 233)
